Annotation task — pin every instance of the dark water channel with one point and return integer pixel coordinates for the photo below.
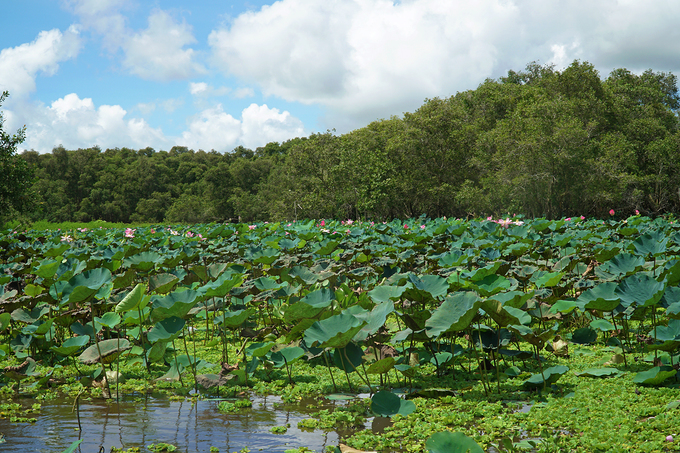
(138, 422)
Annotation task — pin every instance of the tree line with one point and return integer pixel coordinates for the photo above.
(540, 141)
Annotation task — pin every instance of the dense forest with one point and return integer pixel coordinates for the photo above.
(540, 142)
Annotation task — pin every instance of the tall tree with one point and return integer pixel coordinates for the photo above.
(16, 177)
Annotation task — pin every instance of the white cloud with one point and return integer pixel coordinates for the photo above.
(261, 125)
(104, 17)
(19, 66)
(242, 93)
(202, 89)
(158, 52)
(366, 59)
(77, 123)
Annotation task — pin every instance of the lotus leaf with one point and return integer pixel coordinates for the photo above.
(454, 314)
(177, 303)
(600, 372)
(654, 376)
(334, 332)
(131, 299)
(166, 330)
(71, 345)
(110, 350)
(348, 358)
(551, 375)
(448, 442)
(640, 290)
(387, 404)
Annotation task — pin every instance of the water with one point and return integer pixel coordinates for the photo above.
(138, 422)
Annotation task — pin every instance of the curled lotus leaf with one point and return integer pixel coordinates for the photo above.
(110, 350)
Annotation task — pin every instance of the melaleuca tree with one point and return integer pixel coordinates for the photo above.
(16, 177)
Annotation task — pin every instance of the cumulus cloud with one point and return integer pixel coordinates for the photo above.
(202, 89)
(158, 52)
(19, 66)
(373, 58)
(215, 129)
(77, 123)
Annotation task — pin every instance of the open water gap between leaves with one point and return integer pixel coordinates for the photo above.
(191, 426)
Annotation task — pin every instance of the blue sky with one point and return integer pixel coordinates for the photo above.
(213, 74)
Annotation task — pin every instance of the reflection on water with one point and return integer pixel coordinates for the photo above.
(138, 422)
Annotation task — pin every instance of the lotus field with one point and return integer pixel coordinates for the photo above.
(489, 335)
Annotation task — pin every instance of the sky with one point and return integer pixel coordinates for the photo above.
(217, 74)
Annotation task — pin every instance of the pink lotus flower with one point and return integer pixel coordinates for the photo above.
(66, 238)
(568, 219)
(422, 227)
(190, 234)
(611, 212)
(252, 227)
(323, 223)
(583, 218)
(129, 233)
(637, 212)
(350, 221)
(669, 438)
(152, 230)
(406, 227)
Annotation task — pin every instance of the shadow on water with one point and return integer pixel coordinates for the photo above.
(138, 422)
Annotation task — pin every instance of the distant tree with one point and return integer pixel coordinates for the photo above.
(16, 176)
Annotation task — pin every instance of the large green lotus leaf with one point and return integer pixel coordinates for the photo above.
(433, 285)
(387, 404)
(448, 442)
(47, 268)
(375, 319)
(348, 358)
(286, 356)
(222, 285)
(131, 299)
(671, 272)
(320, 298)
(334, 332)
(32, 290)
(162, 283)
(300, 311)
(72, 345)
(623, 264)
(552, 375)
(600, 372)
(584, 335)
(480, 273)
(565, 306)
(547, 279)
(382, 366)
(166, 330)
(515, 299)
(454, 314)
(304, 275)
(143, 261)
(452, 258)
(177, 303)
(501, 315)
(385, 293)
(490, 285)
(326, 247)
(259, 349)
(108, 319)
(57, 250)
(602, 297)
(641, 290)
(5, 319)
(650, 244)
(109, 349)
(29, 317)
(233, 319)
(602, 325)
(157, 351)
(85, 285)
(605, 252)
(671, 332)
(655, 376)
(266, 284)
